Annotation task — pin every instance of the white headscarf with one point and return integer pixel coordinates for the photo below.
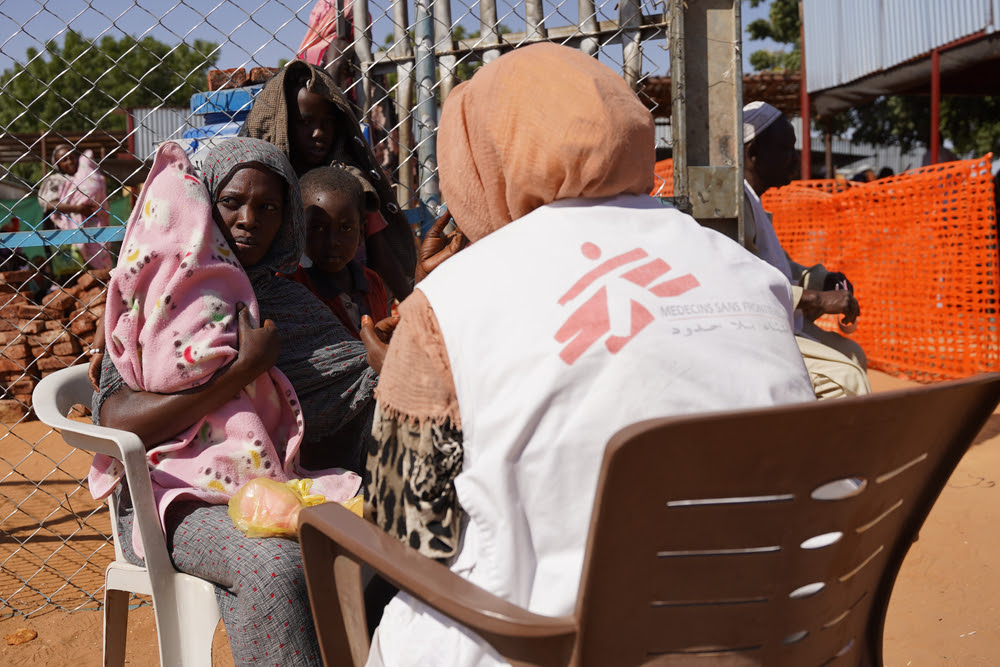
(757, 117)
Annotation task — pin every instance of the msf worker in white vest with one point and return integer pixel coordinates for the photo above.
(580, 305)
(836, 364)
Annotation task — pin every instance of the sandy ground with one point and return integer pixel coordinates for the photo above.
(944, 609)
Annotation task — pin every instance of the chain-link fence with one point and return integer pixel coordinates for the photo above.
(91, 87)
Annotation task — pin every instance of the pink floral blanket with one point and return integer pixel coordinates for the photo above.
(171, 323)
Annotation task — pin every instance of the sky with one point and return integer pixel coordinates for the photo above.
(255, 32)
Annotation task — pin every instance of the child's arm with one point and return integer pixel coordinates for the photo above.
(376, 337)
(156, 418)
(97, 355)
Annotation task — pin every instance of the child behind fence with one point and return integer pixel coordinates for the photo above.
(305, 114)
(336, 200)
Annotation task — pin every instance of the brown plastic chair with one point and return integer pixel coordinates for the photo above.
(766, 537)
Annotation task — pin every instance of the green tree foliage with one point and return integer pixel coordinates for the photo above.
(888, 120)
(782, 25)
(971, 123)
(77, 86)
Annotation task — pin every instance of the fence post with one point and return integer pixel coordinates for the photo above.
(706, 73)
(488, 29)
(444, 40)
(588, 25)
(534, 20)
(630, 20)
(426, 109)
(363, 47)
(403, 52)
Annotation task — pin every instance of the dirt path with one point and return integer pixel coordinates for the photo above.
(944, 609)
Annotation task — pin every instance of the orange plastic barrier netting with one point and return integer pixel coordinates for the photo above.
(921, 251)
(828, 185)
(663, 178)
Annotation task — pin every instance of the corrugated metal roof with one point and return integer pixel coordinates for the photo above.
(823, 44)
(849, 39)
(902, 38)
(153, 125)
(861, 25)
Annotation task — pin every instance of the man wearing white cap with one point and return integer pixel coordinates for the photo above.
(836, 364)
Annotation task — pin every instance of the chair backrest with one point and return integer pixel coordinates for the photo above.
(769, 537)
(59, 392)
(53, 398)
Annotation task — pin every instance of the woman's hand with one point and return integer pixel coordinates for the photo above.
(156, 418)
(436, 247)
(258, 347)
(376, 337)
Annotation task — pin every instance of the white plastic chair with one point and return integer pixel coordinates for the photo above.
(185, 606)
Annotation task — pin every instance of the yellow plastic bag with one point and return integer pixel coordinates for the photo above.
(356, 504)
(267, 508)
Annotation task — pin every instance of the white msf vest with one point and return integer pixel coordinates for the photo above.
(566, 325)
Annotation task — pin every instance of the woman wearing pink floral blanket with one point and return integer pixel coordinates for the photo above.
(179, 345)
(81, 200)
(171, 324)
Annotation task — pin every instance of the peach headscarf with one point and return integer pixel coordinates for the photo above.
(539, 124)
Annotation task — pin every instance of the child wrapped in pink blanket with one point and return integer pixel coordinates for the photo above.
(171, 323)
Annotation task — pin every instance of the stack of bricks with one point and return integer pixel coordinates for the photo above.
(38, 339)
(220, 79)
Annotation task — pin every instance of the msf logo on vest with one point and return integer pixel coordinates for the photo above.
(632, 271)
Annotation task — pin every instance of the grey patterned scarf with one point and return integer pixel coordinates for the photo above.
(325, 364)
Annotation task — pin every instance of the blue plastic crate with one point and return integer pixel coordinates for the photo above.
(230, 101)
(215, 130)
(217, 117)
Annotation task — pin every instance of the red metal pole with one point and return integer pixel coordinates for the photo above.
(130, 126)
(804, 105)
(828, 148)
(935, 104)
